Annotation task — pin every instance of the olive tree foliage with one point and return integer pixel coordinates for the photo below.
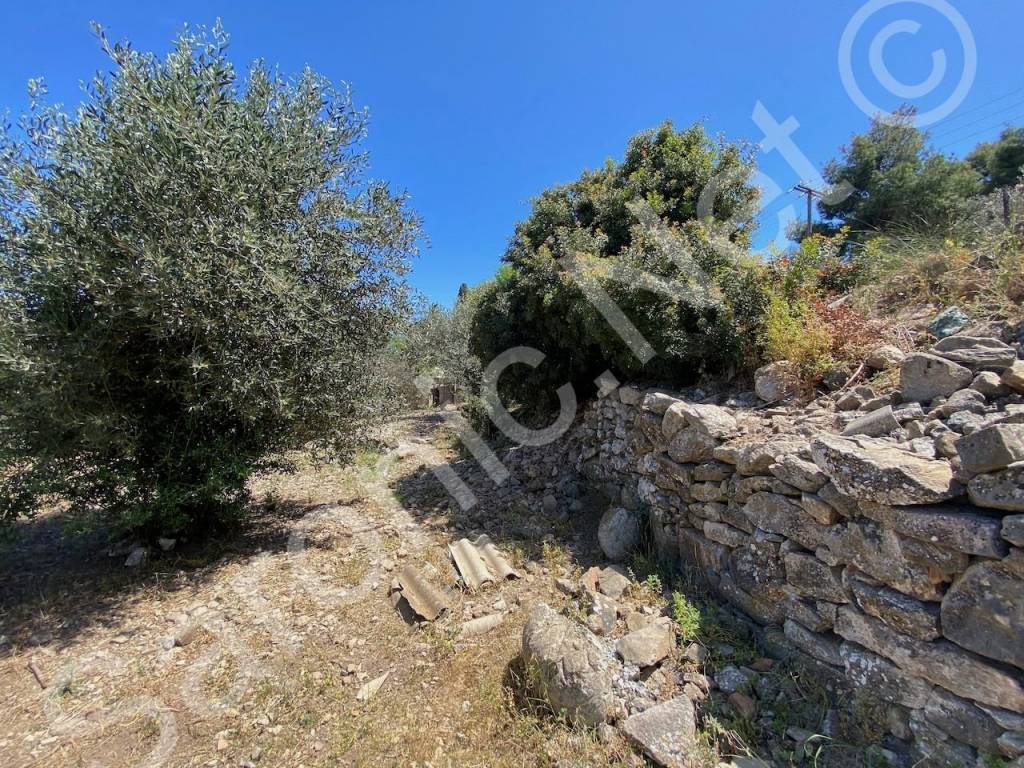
(196, 276)
(663, 234)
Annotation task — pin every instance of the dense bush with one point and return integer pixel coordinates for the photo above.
(664, 233)
(194, 276)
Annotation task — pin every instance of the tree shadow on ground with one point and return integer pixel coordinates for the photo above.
(56, 584)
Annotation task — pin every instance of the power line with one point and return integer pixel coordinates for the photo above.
(998, 112)
(962, 113)
(980, 132)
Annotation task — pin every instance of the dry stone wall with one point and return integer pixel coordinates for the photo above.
(880, 536)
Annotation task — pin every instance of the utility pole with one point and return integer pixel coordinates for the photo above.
(811, 194)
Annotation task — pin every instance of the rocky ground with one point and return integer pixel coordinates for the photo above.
(287, 645)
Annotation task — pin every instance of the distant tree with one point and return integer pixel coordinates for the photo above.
(899, 183)
(1001, 162)
(678, 209)
(194, 276)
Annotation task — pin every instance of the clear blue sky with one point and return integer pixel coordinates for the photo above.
(478, 106)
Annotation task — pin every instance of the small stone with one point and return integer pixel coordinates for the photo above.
(999, 490)
(647, 646)
(991, 448)
(613, 582)
(877, 423)
(1013, 377)
(138, 557)
(731, 679)
(990, 385)
(166, 545)
(1013, 529)
(948, 322)
(567, 587)
(618, 533)
(885, 357)
(667, 732)
(743, 705)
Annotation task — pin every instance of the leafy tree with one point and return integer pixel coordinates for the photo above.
(194, 276)
(1001, 162)
(899, 182)
(661, 233)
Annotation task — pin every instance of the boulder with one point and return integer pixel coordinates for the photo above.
(613, 582)
(984, 612)
(881, 473)
(999, 490)
(924, 377)
(976, 352)
(709, 419)
(991, 448)
(646, 647)
(948, 322)
(572, 671)
(939, 662)
(691, 446)
(1013, 377)
(990, 385)
(658, 402)
(618, 533)
(667, 733)
(963, 400)
(776, 380)
(885, 357)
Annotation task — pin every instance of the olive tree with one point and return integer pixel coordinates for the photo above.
(195, 275)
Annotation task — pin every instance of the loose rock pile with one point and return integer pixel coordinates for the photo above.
(878, 534)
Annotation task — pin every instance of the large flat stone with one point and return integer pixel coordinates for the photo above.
(878, 676)
(667, 733)
(823, 647)
(962, 720)
(939, 662)
(646, 647)
(709, 419)
(878, 472)
(955, 526)
(756, 458)
(984, 612)
(976, 352)
(793, 470)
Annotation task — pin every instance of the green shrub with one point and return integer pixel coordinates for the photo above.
(687, 617)
(193, 276)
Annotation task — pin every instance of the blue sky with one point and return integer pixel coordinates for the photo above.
(476, 107)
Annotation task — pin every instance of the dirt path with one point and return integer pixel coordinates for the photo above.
(252, 652)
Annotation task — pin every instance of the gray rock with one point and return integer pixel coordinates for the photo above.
(138, 557)
(902, 613)
(646, 647)
(1013, 377)
(933, 747)
(775, 381)
(963, 400)
(983, 612)
(724, 534)
(601, 614)
(868, 671)
(709, 419)
(874, 424)
(630, 395)
(924, 377)
(613, 582)
(618, 533)
(885, 357)
(812, 578)
(691, 446)
(958, 527)
(756, 458)
(713, 471)
(939, 662)
(731, 679)
(667, 732)
(990, 385)
(818, 646)
(799, 473)
(991, 448)
(878, 472)
(658, 402)
(572, 671)
(948, 322)
(778, 514)
(882, 554)
(1013, 529)
(999, 490)
(1012, 745)
(962, 720)
(976, 352)
(821, 511)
